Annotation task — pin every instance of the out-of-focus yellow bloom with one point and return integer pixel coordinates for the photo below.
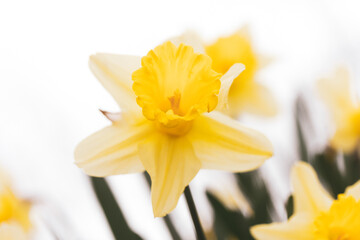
(345, 109)
(246, 94)
(14, 216)
(233, 199)
(227, 191)
(172, 134)
(317, 215)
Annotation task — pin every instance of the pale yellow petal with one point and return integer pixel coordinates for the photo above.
(21, 214)
(222, 143)
(264, 60)
(335, 91)
(309, 195)
(113, 117)
(232, 198)
(226, 82)
(114, 73)
(337, 94)
(298, 227)
(190, 38)
(253, 98)
(244, 31)
(172, 164)
(112, 150)
(354, 190)
(5, 180)
(12, 231)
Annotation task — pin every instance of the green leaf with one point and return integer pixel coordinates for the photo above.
(352, 167)
(289, 206)
(255, 190)
(228, 223)
(301, 120)
(112, 210)
(328, 171)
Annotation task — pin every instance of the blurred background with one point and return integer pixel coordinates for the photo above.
(49, 99)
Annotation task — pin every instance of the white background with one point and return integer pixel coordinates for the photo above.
(49, 100)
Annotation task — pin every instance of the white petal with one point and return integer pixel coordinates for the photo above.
(226, 82)
(172, 164)
(222, 143)
(112, 150)
(309, 195)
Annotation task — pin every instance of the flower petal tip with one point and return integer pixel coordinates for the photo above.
(258, 231)
(301, 166)
(113, 117)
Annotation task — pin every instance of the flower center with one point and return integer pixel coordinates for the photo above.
(174, 85)
(341, 222)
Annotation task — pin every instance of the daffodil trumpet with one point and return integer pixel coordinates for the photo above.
(170, 123)
(316, 214)
(246, 95)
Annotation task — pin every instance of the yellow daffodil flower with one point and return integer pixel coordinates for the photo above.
(345, 109)
(14, 216)
(316, 215)
(169, 124)
(232, 198)
(246, 94)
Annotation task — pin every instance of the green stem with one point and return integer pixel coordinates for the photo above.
(194, 215)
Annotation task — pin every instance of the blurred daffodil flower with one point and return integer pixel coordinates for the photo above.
(170, 124)
(246, 94)
(316, 215)
(231, 196)
(14, 216)
(345, 109)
